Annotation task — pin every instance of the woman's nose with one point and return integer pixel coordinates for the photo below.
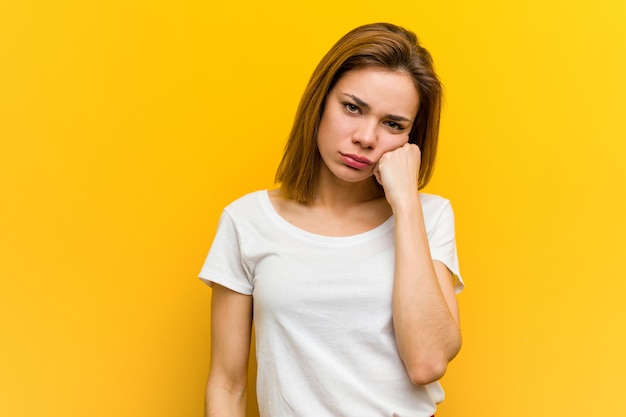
(365, 134)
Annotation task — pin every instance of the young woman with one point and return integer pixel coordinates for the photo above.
(349, 272)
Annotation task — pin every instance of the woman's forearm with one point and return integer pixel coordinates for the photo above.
(424, 308)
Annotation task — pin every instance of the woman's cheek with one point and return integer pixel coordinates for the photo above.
(398, 144)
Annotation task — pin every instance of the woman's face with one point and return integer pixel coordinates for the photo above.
(368, 112)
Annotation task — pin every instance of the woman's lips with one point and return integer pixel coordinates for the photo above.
(356, 161)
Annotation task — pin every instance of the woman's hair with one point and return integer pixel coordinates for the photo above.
(382, 46)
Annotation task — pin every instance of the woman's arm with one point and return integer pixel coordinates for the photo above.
(425, 311)
(231, 324)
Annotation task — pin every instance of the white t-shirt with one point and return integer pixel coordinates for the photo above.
(325, 341)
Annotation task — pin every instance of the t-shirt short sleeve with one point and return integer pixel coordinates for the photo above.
(442, 243)
(224, 265)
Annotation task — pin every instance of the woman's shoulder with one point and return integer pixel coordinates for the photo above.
(248, 202)
(433, 200)
(435, 206)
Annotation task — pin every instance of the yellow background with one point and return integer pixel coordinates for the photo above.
(126, 126)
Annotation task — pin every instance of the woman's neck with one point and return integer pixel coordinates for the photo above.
(331, 191)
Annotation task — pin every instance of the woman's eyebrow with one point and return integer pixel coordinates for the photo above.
(358, 101)
(366, 106)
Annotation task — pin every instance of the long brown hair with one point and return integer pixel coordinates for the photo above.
(380, 45)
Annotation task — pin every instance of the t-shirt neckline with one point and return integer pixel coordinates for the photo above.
(281, 222)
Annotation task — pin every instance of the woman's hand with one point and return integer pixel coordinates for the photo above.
(398, 171)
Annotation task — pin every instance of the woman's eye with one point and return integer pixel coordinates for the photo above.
(395, 126)
(351, 108)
